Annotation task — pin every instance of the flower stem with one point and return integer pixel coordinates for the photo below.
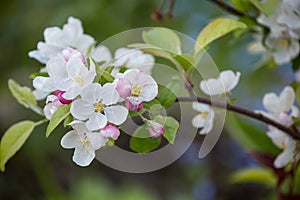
(242, 111)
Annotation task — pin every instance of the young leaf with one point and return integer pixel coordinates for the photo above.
(215, 30)
(170, 125)
(60, 114)
(24, 96)
(141, 141)
(163, 38)
(167, 95)
(185, 60)
(267, 7)
(153, 50)
(254, 175)
(241, 5)
(13, 139)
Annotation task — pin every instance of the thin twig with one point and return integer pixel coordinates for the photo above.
(228, 8)
(243, 111)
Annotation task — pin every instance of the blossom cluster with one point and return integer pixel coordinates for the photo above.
(282, 41)
(73, 67)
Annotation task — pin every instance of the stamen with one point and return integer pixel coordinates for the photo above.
(99, 107)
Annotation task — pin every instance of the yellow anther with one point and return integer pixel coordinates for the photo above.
(283, 43)
(99, 107)
(78, 79)
(204, 114)
(136, 89)
(86, 143)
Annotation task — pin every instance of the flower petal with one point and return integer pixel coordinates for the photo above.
(286, 99)
(109, 94)
(96, 140)
(96, 121)
(101, 53)
(116, 114)
(82, 156)
(81, 109)
(70, 140)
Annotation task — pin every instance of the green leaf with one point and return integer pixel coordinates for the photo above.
(167, 95)
(215, 30)
(13, 139)
(249, 136)
(106, 77)
(35, 74)
(254, 175)
(24, 96)
(241, 5)
(185, 60)
(141, 141)
(68, 120)
(267, 7)
(163, 38)
(151, 103)
(60, 114)
(297, 180)
(153, 50)
(170, 125)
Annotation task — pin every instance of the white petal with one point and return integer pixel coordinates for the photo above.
(84, 42)
(271, 102)
(70, 140)
(109, 94)
(116, 114)
(96, 140)
(72, 93)
(54, 36)
(82, 156)
(90, 93)
(201, 107)
(286, 99)
(101, 53)
(149, 87)
(38, 56)
(229, 79)
(198, 121)
(96, 121)
(79, 126)
(56, 67)
(39, 95)
(212, 87)
(44, 84)
(75, 67)
(81, 109)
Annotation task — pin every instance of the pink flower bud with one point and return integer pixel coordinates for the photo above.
(133, 107)
(60, 97)
(155, 129)
(110, 131)
(69, 52)
(124, 87)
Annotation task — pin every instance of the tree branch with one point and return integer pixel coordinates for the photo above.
(243, 111)
(228, 8)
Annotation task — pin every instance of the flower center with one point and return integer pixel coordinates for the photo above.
(85, 142)
(204, 114)
(78, 79)
(136, 89)
(99, 107)
(283, 43)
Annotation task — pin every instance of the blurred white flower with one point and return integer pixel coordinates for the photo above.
(96, 105)
(57, 39)
(52, 104)
(84, 142)
(223, 84)
(133, 59)
(205, 119)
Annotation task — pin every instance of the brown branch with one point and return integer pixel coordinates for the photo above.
(228, 8)
(243, 111)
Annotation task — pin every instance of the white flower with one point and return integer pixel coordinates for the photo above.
(52, 104)
(84, 142)
(281, 48)
(96, 106)
(226, 81)
(291, 14)
(136, 86)
(205, 119)
(279, 104)
(56, 39)
(70, 76)
(101, 53)
(133, 59)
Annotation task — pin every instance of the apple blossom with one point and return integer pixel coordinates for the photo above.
(133, 107)
(110, 131)
(205, 119)
(52, 104)
(223, 84)
(136, 86)
(56, 40)
(96, 105)
(84, 141)
(155, 129)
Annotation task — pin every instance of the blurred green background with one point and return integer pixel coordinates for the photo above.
(43, 170)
